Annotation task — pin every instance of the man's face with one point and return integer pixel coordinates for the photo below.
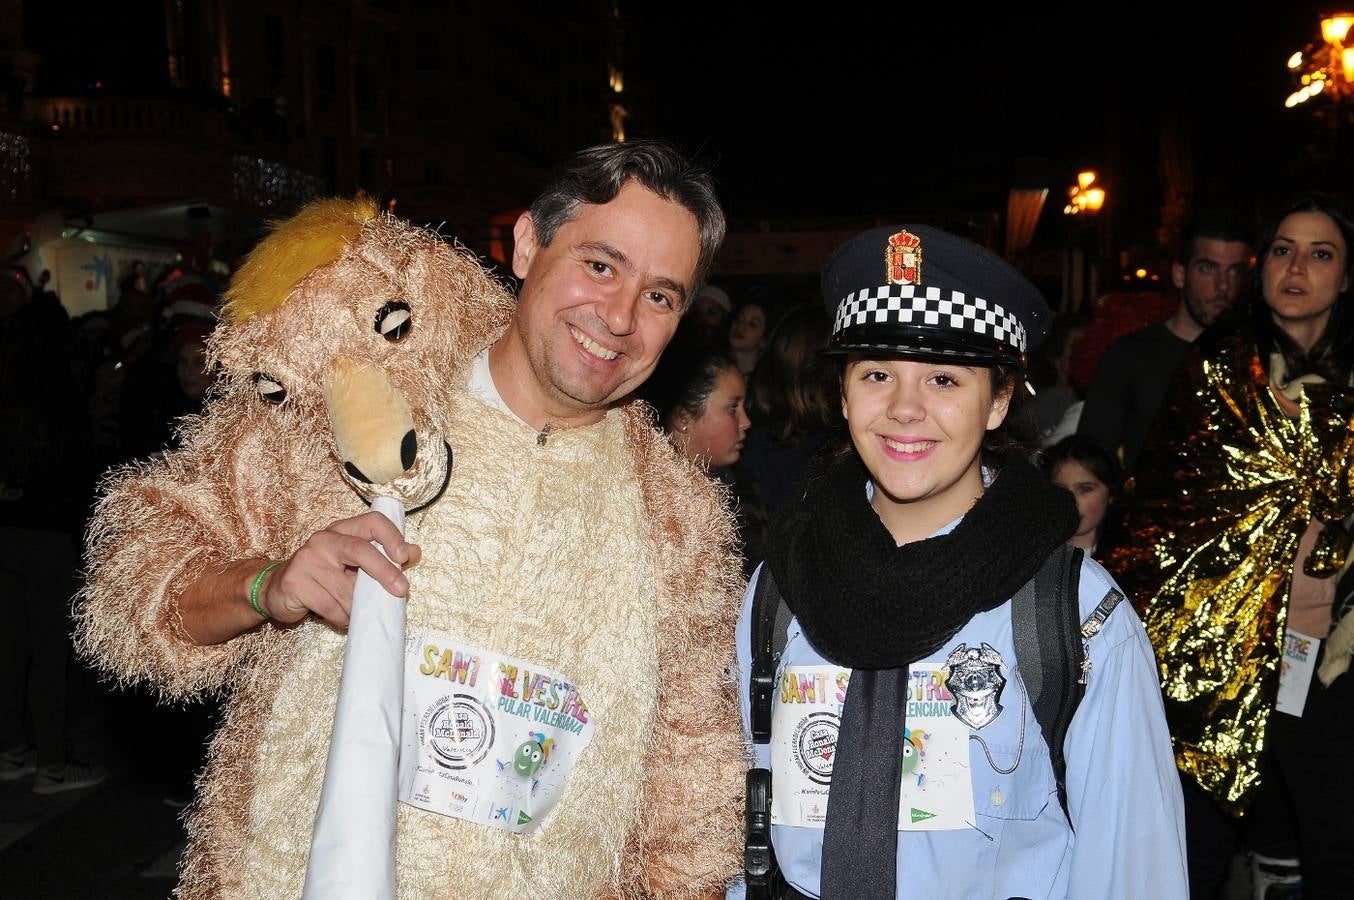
(1213, 278)
(599, 304)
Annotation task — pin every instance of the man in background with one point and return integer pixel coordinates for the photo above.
(1130, 380)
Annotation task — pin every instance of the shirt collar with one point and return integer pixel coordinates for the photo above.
(949, 526)
(481, 385)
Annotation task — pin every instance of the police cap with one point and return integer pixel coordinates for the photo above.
(917, 291)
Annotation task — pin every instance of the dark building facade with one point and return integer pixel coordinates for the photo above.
(137, 119)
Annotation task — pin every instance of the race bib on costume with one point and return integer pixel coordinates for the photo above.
(486, 737)
(937, 790)
(1295, 672)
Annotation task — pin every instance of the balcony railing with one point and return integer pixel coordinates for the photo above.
(115, 115)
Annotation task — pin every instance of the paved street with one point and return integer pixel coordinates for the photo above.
(117, 840)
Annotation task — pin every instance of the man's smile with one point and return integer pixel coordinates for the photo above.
(592, 346)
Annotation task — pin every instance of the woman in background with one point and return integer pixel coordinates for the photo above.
(1235, 532)
(794, 402)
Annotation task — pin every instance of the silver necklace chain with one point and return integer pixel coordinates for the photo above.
(1020, 748)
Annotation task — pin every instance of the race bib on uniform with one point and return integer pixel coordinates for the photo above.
(487, 738)
(937, 790)
(1295, 671)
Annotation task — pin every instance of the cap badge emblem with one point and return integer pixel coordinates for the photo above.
(902, 258)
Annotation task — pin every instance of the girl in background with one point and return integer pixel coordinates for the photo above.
(1086, 469)
(699, 396)
(794, 402)
(747, 335)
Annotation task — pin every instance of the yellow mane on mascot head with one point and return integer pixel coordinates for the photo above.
(351, 328)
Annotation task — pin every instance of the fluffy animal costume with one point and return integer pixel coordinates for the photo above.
(598, 554)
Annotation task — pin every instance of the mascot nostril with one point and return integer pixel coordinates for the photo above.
(356, 473)
(409, 450)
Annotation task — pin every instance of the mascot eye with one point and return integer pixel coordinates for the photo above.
(269, 388)
(394, 320)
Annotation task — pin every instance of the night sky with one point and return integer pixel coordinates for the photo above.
(911, 109)
(919, 108)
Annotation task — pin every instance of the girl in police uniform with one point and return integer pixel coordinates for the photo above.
(906, 757)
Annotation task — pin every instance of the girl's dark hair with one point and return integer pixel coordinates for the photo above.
(795, 391)
(1332, 356)
(1079, 448)
(1003, 439)
(683, 380)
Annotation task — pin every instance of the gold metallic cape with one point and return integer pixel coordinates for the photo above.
(1224, 489)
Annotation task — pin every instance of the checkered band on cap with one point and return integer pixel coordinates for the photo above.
(929, 307)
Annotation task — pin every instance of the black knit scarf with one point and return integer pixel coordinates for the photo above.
(869, 604)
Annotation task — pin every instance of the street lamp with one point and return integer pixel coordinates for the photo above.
(1084, 196)
(1081, 264)
(1328, 69)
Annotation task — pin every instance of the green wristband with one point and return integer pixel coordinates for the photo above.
(258, 583)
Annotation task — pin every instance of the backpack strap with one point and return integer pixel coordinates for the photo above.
(770, 619)
(1050, 653)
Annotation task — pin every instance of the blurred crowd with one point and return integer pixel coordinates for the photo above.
(80, 396)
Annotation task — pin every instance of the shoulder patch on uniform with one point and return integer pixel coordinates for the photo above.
(1096, 620)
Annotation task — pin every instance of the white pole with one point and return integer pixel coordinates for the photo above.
(352, 850)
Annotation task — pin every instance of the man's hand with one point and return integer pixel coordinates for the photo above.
(319, 577)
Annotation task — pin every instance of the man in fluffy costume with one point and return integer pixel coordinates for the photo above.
(566, 534)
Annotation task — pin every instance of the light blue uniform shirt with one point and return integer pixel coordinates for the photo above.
(1122, 788)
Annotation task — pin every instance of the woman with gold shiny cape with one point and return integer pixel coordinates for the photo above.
(1251, 451)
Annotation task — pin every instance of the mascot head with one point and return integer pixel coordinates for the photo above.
(357, 325)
